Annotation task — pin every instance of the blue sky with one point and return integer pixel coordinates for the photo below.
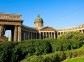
(55, 13)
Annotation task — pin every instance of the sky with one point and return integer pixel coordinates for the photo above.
(55, 13)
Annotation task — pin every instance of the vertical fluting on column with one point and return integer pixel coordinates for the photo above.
(15, 33)
(19, 33)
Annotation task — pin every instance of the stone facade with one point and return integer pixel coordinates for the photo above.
(20, 32)
(11, 22)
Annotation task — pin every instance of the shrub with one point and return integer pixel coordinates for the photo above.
(34, 58)
(21, 50)
(56, 45)
(30, 47)
(42, 47)
(65, 44)
(6, 51)
(72, 35)
(56, 56)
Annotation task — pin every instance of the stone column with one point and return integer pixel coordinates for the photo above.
(0, 31)
(31, 35)
(19, 33)
(15, 33)
(28, 35)
(54, 35)
(43, 35)
(22, 35)
(36, 35)
(83, 31)
(39, 35)
(12, 35)
(49, 34)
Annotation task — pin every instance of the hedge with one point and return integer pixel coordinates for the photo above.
(56, 56)
(14, 52)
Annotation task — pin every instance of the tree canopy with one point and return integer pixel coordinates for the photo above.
(72, 35)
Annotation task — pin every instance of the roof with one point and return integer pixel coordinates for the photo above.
(29, 28)
(47, 28)
(38, 19)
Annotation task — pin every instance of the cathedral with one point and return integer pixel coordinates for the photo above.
(20, 32)
(41, 32)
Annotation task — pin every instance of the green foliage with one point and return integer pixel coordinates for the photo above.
(65, 44)
(21, 50)
(56, 56)
(42, 47)
(37, 50)
(34, 58)
(56, 45)
(6, 51)
(30, 47)
(78, 59)
(72, 35)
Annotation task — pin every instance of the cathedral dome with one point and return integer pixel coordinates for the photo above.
(38, 19)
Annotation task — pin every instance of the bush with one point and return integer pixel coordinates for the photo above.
(53, 57)
(30, 47)
(56, 56)
(34, 58)
(15, 52)
(6, 51)
(21, 50)
(42, 47)
(65, 44)
(72, 35)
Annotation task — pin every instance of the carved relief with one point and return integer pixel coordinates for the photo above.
(10, 16)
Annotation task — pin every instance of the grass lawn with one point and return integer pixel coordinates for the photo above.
(78, 59)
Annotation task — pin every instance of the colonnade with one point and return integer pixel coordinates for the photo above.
(64, 31)
(29, 35)
(17, 33)
(38, 35)
(47, 34)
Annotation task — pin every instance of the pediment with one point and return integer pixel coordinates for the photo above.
(47, 29)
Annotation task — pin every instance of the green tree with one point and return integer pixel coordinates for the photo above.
(72, 35)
